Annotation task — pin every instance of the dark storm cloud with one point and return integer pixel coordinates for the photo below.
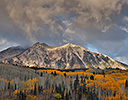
(101, 23)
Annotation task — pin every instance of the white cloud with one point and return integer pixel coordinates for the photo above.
(4, 44)
(85, 22)
(92, 48)
(126, 18)
(65, 41)
(31, 16)
(122, 59)
(69, 31)
(67, 23)
(124, 28)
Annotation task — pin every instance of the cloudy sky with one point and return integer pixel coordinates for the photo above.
(98, 25)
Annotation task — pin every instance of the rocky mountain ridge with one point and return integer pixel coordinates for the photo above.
(68, 56)
(11, 52)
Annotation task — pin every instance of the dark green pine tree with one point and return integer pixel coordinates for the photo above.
(126, 83)
(67, 96)
(92, 77)
(41, 74)
(82, 79)
(54, 73)
(8, 85)
(60, 90)
(39, 89)
(84, 88)
(65, 75)
(22, 95)
(77, 78)
(15, 87)
(62, 94)
(79, 95)
(35, 92)
(76, 82)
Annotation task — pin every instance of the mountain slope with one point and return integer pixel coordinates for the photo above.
(11, 52)
(126, 66)
(68, 56)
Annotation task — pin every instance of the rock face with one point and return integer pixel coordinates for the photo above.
(68, 56)
(11, 52)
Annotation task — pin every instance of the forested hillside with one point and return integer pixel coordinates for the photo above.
(20, 83)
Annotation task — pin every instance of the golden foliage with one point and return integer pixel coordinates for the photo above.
(58, 96)
(2, 79)
(31, 97)
(16, 91)
(111, 81)
(12, 82)
(68, 73)
(2, 99)
(30, 83)
(6, 81)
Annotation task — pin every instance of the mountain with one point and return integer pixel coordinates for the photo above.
(11, 52)
(68, 56)
(123, 64)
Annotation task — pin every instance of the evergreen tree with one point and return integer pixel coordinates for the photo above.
(60, 88)
(41, 74)
(76, 82)
(62, 94)
(82, 79)
(67, 96)
(65, 75)
(54, 73)
(114, 94)
(69, 93)
(35, 92)
(94, 73)
(15, 87)
(92, 77)
(71, 85)
(79, 95)
(84, 88)
(22, 95)
(39, 89)
(86, 77)
(126, 83)
(77, 78)
(8, 85)
(103, 73)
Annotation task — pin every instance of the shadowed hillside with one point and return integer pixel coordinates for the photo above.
(11, 52)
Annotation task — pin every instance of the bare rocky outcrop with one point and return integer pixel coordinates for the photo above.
(68, 56)
(11, 52)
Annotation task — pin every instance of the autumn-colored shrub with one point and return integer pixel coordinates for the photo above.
(31, 97)
(58, 96)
